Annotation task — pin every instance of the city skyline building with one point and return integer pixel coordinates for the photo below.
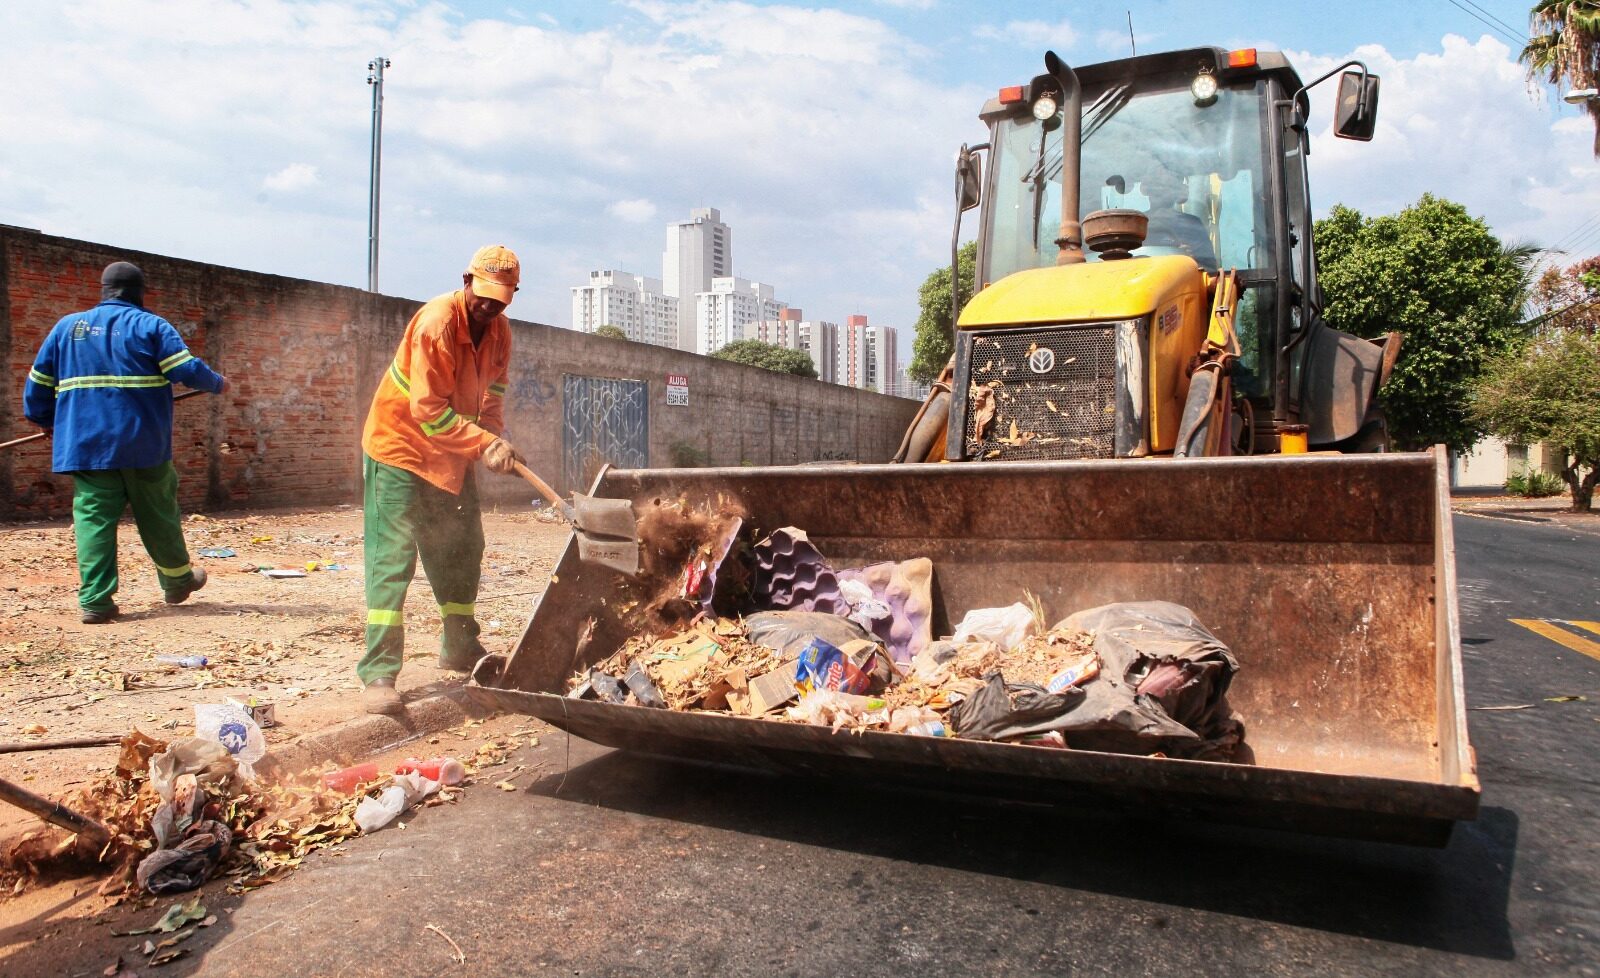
(728, 309)
(699, 251)
(867, 355)
(635, 304)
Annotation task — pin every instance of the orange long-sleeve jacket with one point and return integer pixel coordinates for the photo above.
(441, 402)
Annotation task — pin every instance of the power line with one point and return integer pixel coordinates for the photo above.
(1514, 31)
(1510, 36)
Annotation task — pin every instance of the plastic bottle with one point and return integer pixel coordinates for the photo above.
(183, 661)
(445, 770)
(933, 728)
(350, 777)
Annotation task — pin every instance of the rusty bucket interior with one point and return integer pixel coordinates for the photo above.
(1331, 578)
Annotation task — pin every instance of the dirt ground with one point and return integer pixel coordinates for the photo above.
(291, 642)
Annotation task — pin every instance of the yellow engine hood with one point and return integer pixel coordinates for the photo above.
(1092, 291)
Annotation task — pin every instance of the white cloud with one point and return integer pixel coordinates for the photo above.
(1030, 33)
(294, 177)
(793, 121)
(635, 211)
(1459, 123)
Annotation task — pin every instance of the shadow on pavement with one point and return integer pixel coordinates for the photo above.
(1452, 899)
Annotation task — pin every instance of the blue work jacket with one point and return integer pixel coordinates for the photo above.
(103, 383)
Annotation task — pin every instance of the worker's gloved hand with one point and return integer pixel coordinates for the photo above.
(499, 456)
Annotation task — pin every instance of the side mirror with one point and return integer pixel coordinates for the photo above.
(969, 179)
(1356, 114)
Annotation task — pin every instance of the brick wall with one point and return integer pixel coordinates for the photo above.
(303, 358)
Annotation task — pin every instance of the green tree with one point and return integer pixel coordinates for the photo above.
(769, 356)
(934, 342)
(1438, 275)
(1564, 49)
(611, 332)
(1549, 391)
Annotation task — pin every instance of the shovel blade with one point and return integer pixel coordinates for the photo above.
(608, 533)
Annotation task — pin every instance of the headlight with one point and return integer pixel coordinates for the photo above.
(1045, 107)
(1204, 89)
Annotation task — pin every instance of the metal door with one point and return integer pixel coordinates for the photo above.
(603, 421)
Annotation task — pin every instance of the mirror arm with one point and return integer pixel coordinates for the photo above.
(963, 167)
(1301, 94)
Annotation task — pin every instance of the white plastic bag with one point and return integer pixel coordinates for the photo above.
(865, 609)
(1005, 627)
(235, 729)
(373, 814)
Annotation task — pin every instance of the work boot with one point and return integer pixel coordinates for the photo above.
(100, 617)
(180, 595)
(462, 660)
(380, 696)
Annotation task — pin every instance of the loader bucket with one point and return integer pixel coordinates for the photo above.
(1331, 578)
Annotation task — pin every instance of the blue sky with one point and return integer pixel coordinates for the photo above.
(235, 131)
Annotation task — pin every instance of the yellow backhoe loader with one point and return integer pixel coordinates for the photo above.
(1098, 395)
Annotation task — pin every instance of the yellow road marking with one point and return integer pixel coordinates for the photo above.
(1556, 633)
(1593, 626)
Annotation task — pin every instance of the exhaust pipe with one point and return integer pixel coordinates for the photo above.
(1070, 241)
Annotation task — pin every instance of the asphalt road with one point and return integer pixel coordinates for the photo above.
(611, 864)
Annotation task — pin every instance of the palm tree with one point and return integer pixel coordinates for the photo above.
(1565, 48)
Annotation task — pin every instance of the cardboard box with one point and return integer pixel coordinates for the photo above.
(264, 714)
(771, 691)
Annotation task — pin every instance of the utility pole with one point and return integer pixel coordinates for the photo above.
(375, 79)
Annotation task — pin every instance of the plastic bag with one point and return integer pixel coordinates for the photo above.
(823, 667)
(190, 863)
(373, 814)
(1005, 627)
(831, 708)
(235, 729)
(787, 632)
(208, 760)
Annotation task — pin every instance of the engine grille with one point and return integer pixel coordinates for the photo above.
(1066, 411)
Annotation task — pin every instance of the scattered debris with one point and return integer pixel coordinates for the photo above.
(216, 552)
(1493, 709)
(459, 955)
(1565, 699)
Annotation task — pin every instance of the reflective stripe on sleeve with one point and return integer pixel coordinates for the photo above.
(43, 380)
(497, 390)
(443, 423)
(400, 380)
(176, 360)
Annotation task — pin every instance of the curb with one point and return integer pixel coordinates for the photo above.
(366, 735)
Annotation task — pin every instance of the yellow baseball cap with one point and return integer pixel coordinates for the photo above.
(495, 273)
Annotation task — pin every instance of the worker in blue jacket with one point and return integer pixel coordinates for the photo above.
(101, 388)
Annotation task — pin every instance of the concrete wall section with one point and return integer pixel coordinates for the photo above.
(303, 359)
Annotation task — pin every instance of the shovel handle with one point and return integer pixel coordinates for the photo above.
(35, 437)
(544, 487)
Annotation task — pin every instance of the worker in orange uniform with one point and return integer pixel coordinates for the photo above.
(439, 407)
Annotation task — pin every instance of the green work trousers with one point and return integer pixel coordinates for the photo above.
(407, 516)
(99, 499)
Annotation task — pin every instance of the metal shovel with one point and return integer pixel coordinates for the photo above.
(608, 533)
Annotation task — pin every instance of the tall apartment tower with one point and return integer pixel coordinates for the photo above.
(731, 310)
(868, 357)
(633, 303)
(698, 250)
(821, 340)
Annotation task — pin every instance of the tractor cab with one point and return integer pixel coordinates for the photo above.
(1209, 146)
